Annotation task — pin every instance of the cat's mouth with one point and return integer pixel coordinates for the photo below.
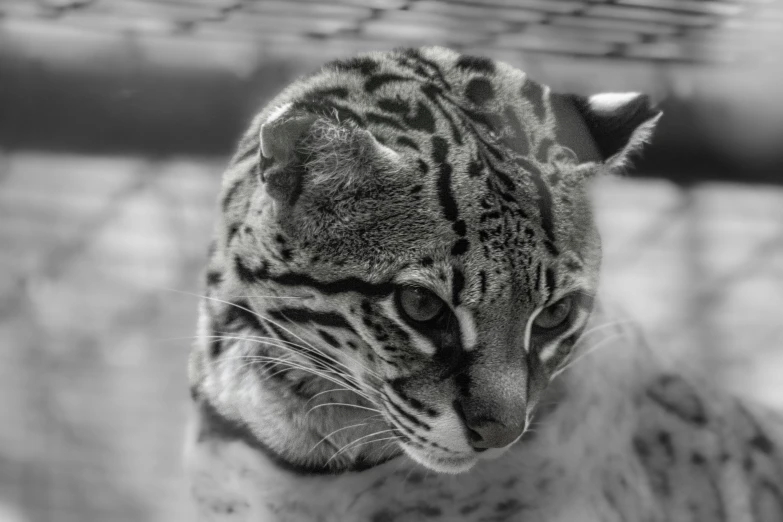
(442, 462)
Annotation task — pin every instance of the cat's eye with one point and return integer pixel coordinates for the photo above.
(555, 314)
(419, 304)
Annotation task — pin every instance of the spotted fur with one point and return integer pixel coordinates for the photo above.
(319, 398)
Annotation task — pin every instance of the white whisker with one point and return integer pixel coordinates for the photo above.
(271, 341)
(336, 431)
(354, 444)
(375, 410)
(592, 349)
(325, 392)
(312, 371)
(271, 296)
(252, 312)
(601, 327)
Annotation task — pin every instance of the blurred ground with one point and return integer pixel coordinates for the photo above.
(94, 334)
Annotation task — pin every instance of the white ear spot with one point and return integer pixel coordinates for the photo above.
(608, 102)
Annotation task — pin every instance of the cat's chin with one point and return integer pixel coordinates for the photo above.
(494, 453)
(443, 463)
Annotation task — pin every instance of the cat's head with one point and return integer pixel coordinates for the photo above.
(416, 225)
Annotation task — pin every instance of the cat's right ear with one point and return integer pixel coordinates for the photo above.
(320, 155)
(619, 123)
(279, 136)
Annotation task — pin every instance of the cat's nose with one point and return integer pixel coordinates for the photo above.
(488, 433)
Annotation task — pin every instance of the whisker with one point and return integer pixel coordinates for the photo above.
(354, 443)
(329, 359)
(325, 392)
(305, 369)
(270, 341)
(310, 347)
(592, 349)
(287, 364)
(357, 361)
(376, 410)
(388, 445)
(601, 327)
(336, 431)
(393, 439)
(229, 303)
(272, 296)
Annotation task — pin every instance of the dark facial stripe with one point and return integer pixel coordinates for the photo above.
(348, 284)
(304, 315)
(397, 385)
(237, 316)
(410, 418)
(329, 338)
(318, 359)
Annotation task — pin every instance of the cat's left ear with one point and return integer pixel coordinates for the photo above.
(619, 123)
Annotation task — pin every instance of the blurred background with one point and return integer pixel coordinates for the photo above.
(117, 116)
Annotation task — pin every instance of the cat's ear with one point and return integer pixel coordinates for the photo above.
(619, 123)
(331, 156)
(280, 135)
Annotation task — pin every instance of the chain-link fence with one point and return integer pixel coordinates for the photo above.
(667, 30)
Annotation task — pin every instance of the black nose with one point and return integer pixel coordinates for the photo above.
(488, 433)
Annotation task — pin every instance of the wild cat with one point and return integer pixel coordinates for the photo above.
(401, 323)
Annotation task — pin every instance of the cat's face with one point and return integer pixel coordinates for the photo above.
(445, 278)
